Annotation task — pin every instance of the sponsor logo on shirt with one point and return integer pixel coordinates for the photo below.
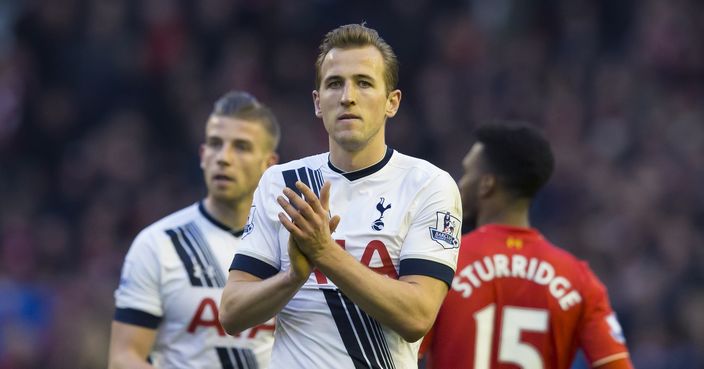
(446, 230)
(514, 242)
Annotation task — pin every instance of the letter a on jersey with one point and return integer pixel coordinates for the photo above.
(446, 231)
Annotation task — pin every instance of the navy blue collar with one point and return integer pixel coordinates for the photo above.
(211, 219)
(366, 171)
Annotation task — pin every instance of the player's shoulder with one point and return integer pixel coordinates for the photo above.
(571, 264)
(414, 164)
(175, 219)
(312, 162)
(417, 169)
(491, 234)
(485, 240)
(152, 240)
(579, 272)
(565, 255)
(472, 236)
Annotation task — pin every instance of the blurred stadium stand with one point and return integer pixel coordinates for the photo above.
(102, 106)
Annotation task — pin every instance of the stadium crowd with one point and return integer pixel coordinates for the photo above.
(102, 105)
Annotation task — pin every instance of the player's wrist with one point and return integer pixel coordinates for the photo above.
(326, 255)
(295, 278)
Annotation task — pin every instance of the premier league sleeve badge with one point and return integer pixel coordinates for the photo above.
(446, 231)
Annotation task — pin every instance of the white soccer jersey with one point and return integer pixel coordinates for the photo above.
(172, 281)
(400, 216)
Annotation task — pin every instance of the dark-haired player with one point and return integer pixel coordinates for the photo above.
(517, 301)
(175, 270)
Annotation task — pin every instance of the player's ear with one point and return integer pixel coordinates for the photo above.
(273, 159)
(316, 104)
(393, 101)
(487, 185)
(201, 151)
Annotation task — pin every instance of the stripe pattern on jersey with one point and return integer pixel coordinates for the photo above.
(236, 358)
(362, 336)
(193, 250)
(311, 178)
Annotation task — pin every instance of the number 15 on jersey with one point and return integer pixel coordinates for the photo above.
(514, 321)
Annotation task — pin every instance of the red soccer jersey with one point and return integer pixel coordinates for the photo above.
(517, 301)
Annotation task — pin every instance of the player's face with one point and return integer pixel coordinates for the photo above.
(352, 98)
(235, 154)
(469, 184)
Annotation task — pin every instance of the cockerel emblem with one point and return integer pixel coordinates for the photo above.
(378, 224)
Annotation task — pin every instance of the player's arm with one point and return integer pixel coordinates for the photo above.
(129, 346)
(249, 300)
(138, 302)
(407, 305)
(600, 334)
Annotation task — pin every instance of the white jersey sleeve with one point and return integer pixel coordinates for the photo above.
(259, 252)
(137, 299)
(433, 240)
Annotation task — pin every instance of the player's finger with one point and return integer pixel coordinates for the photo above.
(297, 202)
(325, 196)
(303, 207)
(310, 197)
(301, 214)
(334, 222)
(293, 214)
(286, 206)
(289, 225)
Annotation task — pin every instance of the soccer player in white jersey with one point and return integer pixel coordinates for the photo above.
(358, 289)
(174, 273)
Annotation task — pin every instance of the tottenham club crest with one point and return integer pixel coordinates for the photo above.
(446, 231)
(378, 224)
(249, 227)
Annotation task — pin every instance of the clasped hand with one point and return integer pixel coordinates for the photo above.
(309, 223)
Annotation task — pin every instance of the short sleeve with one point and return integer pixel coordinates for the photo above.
(137, 299)
(259, 252)
(433, 240)
(600, 333)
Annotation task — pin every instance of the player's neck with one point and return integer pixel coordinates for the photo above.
(232, 214)
(350, 161)
(511, 213)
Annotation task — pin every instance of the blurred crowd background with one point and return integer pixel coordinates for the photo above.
(103, 105)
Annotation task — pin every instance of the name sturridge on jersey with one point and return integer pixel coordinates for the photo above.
(516, 266)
